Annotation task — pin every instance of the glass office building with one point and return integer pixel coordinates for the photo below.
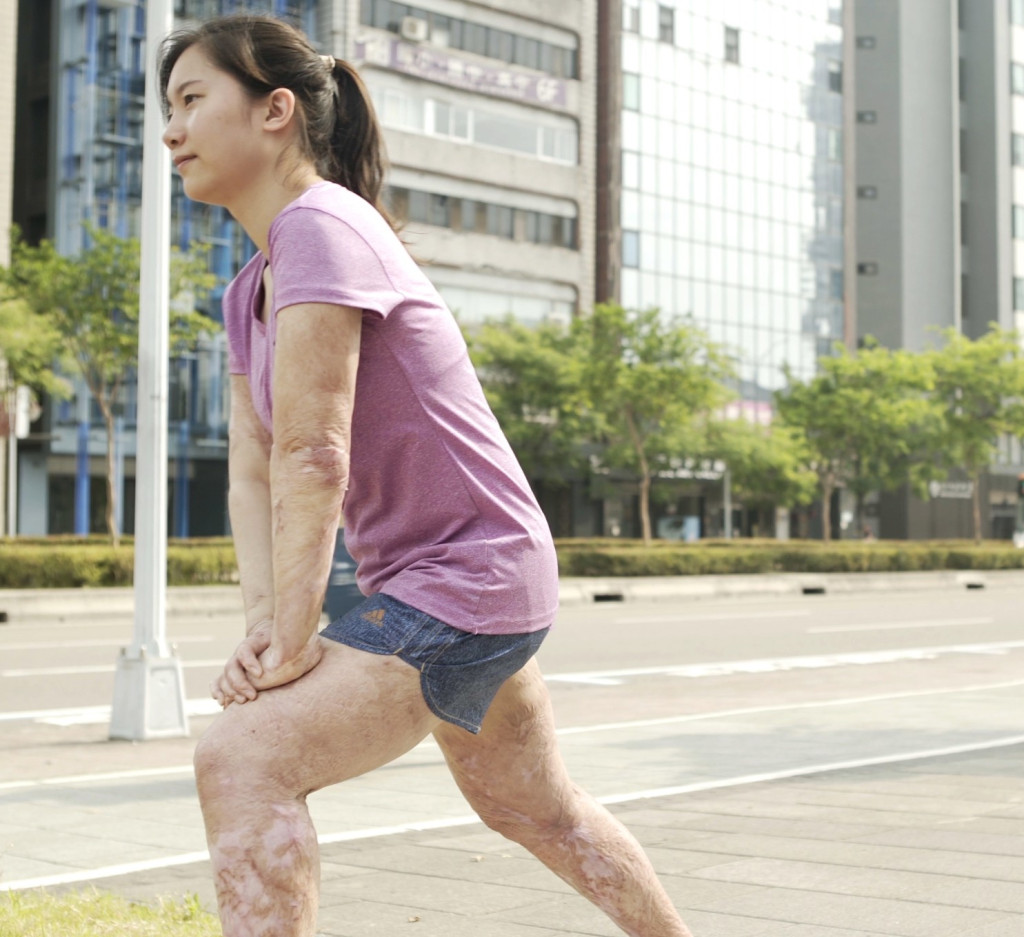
(731, 199)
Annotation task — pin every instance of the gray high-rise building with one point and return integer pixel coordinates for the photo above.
(489, 116)
(939, 131)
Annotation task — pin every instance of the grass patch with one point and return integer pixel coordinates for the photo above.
(98, 914)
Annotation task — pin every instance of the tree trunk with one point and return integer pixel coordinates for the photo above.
(976, 505)
(827, 487)
(645, 504)
(111, 514)
(645, 477)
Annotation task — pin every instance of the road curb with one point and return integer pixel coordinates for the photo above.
(25, 606)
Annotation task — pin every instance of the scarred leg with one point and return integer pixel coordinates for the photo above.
(514, 777)
(257, 763)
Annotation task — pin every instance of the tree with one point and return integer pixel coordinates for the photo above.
(866, 419)
(530, 380)
(979, 386)
(91, 302)
(651, 383)
(767, 464)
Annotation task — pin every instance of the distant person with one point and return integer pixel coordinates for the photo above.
(352, 391)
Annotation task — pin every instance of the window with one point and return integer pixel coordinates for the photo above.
(835, 76)
(630, 91)
(1018, 221)
(631, 249)
(867, 117)
(732, 45)
(868, 42)
(835, 145)
(1017, 149)
(631, 16)
(666, 24)
(498, 44)
(1018, 294)
(868, 269)
(867, 191)
(1017, 78)
(836, 283)
(500, 221)
(1017, 12)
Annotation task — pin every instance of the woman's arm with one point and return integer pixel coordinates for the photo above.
(315, 362)
(249, 504)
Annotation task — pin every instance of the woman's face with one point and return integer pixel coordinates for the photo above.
(213, 131)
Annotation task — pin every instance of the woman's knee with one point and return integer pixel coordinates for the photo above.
(229, 764)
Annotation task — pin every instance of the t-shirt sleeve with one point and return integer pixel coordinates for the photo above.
(237, 327)
(319, 258)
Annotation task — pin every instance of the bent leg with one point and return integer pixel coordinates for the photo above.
(257, 763)
(513, 776)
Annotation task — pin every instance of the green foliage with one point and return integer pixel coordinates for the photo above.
(71, 563)
(529, 378)
(84, 311)
(651, 383)
(97, 914)
(979, 386)
(708, 558)
(864, 420)
(767, 464)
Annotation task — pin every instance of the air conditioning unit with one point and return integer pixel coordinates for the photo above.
(414, 29)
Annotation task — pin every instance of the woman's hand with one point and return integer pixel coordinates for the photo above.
(278, 667)
(236, 683)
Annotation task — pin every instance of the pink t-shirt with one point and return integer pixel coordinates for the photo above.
(438, 512)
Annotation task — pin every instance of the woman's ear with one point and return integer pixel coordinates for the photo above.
(280, 109)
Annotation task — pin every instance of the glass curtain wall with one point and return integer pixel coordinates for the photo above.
(732, 176)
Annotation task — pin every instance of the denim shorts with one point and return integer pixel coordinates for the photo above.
(460, 672)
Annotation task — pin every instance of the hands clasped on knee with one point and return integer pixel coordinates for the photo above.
(259, 663)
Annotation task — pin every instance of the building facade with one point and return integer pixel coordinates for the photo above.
(489, 116)
(939, 130)
(721, 182)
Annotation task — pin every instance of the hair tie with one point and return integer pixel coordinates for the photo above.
(329, 61)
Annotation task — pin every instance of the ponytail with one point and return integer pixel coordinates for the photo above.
(356, 157)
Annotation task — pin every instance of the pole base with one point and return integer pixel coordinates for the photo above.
(149, 699)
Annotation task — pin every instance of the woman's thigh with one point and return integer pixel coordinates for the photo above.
(351, 713)
(513, 765)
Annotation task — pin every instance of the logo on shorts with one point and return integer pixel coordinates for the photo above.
(374, 617)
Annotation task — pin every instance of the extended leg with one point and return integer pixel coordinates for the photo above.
(514, 777)
(256, 764)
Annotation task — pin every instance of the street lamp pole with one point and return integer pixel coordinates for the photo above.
(149, 695)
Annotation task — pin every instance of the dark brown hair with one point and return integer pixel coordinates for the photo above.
(338, 126)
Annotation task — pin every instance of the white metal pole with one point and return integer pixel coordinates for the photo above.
(149, 688)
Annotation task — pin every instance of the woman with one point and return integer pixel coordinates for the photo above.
(351, 388)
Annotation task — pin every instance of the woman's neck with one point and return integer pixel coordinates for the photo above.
(256, 211)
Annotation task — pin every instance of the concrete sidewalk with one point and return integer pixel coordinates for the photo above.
(926, 848)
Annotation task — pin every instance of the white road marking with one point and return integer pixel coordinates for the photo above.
(697, 619)
(788, 707)
(900, 625)
(776, 664)
(429, 744)
(60, 645)
(92, 669)
(111, 871)
(96, 715)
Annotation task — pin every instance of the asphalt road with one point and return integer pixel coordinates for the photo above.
(650, 697)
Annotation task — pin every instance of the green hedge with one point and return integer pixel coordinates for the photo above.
(63, 562)
(668, 558)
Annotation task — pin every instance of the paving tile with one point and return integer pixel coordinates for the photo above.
(906, 858)
(869, 883)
